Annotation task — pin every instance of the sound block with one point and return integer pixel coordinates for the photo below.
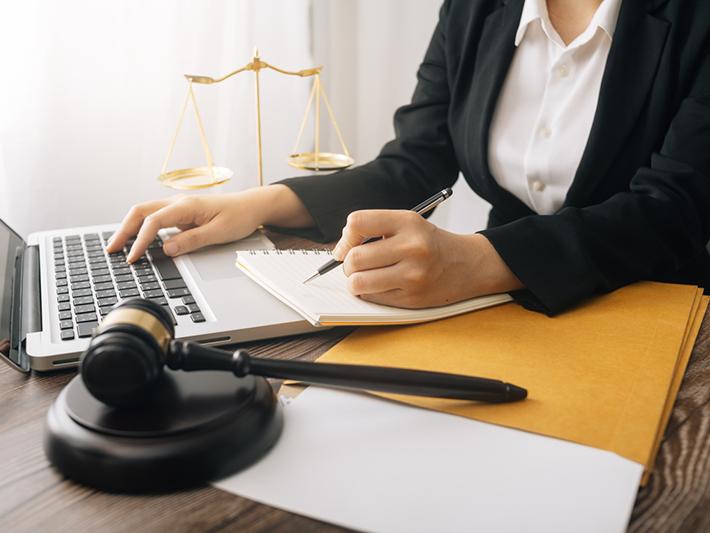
(196, 427)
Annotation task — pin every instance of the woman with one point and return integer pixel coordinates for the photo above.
(586, 125)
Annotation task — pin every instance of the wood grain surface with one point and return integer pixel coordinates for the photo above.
(34, 497)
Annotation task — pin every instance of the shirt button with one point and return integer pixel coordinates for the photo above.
(545, 132)
(563, 71)
(537, 186)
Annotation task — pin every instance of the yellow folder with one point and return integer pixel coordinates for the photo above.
(604, 374)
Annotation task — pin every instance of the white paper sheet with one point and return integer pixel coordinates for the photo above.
(375, 465)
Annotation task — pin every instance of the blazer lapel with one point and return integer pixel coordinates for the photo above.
(493, 57)
(631, 67)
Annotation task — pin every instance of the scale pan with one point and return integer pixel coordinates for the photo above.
(188, 179)
(321, 161)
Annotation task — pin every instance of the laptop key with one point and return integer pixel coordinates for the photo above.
(193, 308)
(60, 275)
(126, 285)
(67, 334)
(75, 278)
(86, 317)
(164, 265)
(64, 315)
(81, 292)
(197, 317)
(62, 290)
(86, 308)
(62, 283)
(103, 286)
(80, 285)
(177, 293)
(85, 329)
(150, 286)
(105, 310)
(103, 278)
(124, 277)
(64, 306)
(156, 293)
(128, 293)
(161, 300)
(83, 300)
(62, 298)
(104, 302)
(181, 310)
(174, 283)
(66, 324)
(105, 293)
(188, 300)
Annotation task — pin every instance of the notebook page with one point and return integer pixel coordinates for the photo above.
(326, 300)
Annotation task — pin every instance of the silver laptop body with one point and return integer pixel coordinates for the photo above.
(44, 326)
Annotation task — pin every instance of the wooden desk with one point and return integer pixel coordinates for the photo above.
(33, 497)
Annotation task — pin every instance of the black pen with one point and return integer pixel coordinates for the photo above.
(426, 206)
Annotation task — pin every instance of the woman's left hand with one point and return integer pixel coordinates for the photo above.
(417, 264)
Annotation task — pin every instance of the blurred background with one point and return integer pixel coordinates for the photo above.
(90, 92)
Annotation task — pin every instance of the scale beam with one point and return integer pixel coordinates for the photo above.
(210, 175)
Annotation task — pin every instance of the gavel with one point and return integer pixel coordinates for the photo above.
(135, 341)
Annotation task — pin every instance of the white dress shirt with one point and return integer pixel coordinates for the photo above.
(546, 106)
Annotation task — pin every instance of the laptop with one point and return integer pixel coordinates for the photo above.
(56, 287)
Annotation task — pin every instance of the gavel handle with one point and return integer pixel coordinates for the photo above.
(193, 356)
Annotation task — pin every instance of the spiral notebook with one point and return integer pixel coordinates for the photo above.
(325, 301)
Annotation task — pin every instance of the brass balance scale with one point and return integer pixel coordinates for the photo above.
(211, 175)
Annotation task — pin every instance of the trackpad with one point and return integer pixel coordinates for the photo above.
(218, 262)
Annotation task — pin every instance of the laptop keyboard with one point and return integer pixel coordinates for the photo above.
(90, 281)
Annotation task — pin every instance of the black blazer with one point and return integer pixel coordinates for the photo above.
(639, 205)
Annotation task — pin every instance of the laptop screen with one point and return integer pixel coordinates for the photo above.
(10, 242)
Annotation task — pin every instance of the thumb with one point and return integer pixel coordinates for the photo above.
(188, 241)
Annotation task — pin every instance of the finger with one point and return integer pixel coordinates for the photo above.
(377, 254)
(132, 222)
(189, 240)
(378, 280)
(167, 217)
(362, 225)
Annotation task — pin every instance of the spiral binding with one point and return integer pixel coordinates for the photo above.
(302, 251)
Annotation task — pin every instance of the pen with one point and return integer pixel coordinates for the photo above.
(426, 206)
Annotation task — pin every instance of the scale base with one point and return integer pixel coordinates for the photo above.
(195, 178)
(197, 427)
(320, 161)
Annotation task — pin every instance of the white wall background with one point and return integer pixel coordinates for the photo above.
(90, 92)
(372, 49)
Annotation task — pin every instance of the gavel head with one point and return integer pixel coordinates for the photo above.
(126, 355)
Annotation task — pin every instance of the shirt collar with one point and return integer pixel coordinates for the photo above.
(605, 18)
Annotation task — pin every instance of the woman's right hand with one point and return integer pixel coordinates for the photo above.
(206, 220)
